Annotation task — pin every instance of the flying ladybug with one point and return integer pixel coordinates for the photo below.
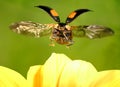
(62, 33)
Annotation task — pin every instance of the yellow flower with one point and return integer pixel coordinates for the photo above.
(10, 78)
(60, 71)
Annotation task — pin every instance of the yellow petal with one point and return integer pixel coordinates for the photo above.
(34, 76)
(53, 68)
(108, 78)
(10, 78)
(77, 73)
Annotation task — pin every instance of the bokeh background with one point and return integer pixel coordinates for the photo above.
(19, 52)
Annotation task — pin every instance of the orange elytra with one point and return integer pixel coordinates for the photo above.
(53, 12)
(72, 15)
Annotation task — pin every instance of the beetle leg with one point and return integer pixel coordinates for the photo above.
(52, 42)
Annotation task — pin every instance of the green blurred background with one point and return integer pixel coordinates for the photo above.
(20, 52)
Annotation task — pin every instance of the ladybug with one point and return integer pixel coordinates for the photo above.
(62, 33)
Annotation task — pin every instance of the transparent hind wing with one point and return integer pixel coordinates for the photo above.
(91, 31)
(31, 28)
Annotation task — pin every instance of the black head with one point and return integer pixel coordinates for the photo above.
(62, 24)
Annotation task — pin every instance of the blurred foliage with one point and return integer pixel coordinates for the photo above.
(20, 52)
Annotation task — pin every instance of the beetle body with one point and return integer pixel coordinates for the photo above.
(62, 33)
